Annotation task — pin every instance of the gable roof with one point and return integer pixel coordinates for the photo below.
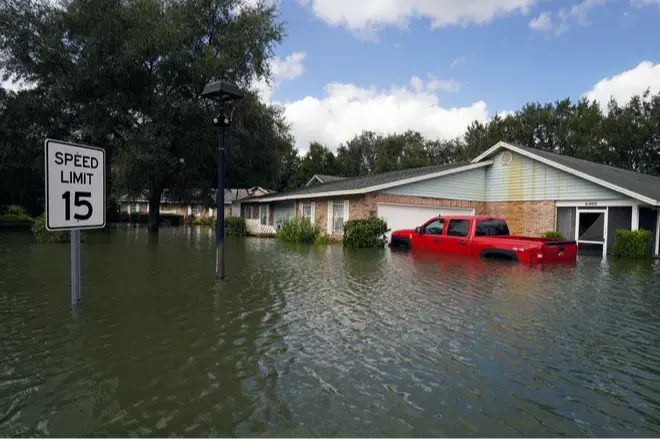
(643, 187)
(324, 178)
(370, 183)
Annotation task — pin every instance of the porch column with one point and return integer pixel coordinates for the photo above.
(635, 217)
(657, 233)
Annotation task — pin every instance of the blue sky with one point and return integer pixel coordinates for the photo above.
(500, 53)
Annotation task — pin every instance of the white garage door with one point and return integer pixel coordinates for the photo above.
(408, 217)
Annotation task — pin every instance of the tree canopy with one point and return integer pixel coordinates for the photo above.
(126, 75)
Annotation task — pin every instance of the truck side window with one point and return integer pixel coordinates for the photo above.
(492, 228)
(458, 228)
(434, 227)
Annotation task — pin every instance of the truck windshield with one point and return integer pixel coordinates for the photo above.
(492, 228)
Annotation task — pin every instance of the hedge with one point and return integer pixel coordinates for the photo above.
(632, 244)
(43, 235)
(14, 210)
(297, 230)
(235, 226)
(365, 233)
(559, 236)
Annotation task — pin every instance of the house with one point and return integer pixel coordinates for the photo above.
(170, 205)
(536, 191)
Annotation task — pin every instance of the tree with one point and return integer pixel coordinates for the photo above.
(318, 160)
(130, 74)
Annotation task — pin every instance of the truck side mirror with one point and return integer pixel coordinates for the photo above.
(418, 230)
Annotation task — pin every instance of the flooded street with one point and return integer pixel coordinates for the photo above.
(306, 341)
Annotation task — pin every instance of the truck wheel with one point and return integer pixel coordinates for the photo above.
(401, 243)
(493, 253)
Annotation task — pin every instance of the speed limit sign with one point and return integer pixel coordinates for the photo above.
(75, 186)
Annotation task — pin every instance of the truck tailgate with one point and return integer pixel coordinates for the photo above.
(559, 251)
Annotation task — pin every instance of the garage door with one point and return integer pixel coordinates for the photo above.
(408, 217)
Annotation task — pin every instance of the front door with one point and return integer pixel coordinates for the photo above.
(455, 241)
(430, 234)
(591, 231)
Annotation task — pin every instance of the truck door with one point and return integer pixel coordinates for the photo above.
(456, 240)
(430, 234)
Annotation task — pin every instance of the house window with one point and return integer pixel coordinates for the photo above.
(307, 210)
(337, 216)
(248, 211)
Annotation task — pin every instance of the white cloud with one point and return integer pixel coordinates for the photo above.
(458, 61)
(370, 15)
(541, 23)
(566, 17)
(624, 86)
(346, 110)
(282, 69)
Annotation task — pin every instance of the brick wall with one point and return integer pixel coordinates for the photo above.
(355, 209)
(530, 218)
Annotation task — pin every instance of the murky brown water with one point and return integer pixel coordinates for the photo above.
(301, 341)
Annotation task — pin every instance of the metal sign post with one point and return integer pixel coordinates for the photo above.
(75, 196)
(76, 293)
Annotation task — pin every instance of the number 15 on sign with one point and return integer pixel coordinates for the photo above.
(75, 186)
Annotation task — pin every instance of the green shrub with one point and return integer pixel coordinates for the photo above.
(325, 240)
(365, 233)
(297, 230)
(559, 236)
(632, 244)
(43, 235)
(234, 226)
(206, 221)
(16, 211)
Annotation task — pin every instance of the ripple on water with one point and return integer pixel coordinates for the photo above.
(300, 340)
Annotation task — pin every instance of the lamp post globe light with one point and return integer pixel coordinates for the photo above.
(225, 94)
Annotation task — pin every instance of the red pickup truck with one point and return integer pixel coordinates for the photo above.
(482, 237)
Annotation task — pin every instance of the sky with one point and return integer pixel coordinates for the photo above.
(437, 65)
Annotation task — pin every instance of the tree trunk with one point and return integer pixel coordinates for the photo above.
(154, 209)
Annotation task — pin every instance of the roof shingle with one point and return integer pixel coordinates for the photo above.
(362, 182)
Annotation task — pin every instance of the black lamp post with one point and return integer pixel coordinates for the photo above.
(224, 93)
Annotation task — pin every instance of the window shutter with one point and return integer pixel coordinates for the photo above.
(330, 219)
(346, 211)
(313, 218)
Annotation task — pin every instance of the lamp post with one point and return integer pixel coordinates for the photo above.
(224, 93)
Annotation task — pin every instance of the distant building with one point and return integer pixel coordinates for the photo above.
(170, 205)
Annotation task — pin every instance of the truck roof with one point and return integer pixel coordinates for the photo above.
(471, 217)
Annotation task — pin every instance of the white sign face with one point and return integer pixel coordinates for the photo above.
(75, 186)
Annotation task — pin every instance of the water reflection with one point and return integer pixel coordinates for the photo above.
(321, 341)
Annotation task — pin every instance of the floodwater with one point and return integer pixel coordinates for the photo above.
(304, 341)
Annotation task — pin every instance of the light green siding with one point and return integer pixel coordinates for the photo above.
(525, 179)
(468, 186)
